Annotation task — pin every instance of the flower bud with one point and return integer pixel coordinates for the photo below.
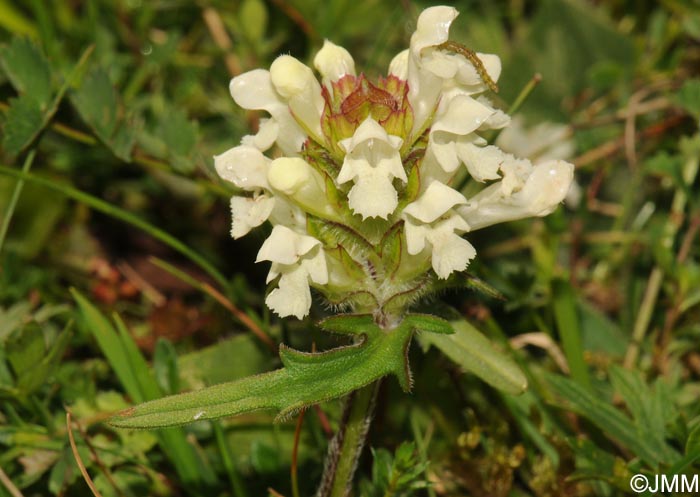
(296, 83)
(302, 184)
(333, 62)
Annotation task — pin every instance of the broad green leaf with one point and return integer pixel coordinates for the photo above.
(23, 121)
(476, 354)
(307, 378)
(98, 104)
(28, 70)
(32, 374)
(429, 323)
(178, 133)
(606, 417)
(96, 101)
(25, 349)
(122, 143)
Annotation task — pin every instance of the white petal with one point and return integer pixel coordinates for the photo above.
(244, 166)
(265, 137)
(289, 174)
(372, 162)
(253, 90)
(287, 214)
(399, 65)
(461, 115)
(515, 173)
(498, 119)
(544, 189)
(437, 199)
(303, 185)
(373, 195)
(416, 234)
(545, 141)
(249, 213)
(285, 246)
(333, 62)
(483, 163)
(468, 76)
(369, 130)
(316, 267)
(450, 252)
(433, 28)
(296, 83)
(444, 149)
(292, 297)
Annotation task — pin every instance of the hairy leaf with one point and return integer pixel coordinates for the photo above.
(307, 378)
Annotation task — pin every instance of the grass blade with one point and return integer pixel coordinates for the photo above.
(122, 215)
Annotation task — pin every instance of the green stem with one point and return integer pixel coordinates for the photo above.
(14, 199)
(345, 448)
(232, 472)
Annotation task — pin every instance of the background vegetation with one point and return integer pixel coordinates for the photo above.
(111, 111)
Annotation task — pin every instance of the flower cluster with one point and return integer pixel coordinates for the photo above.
(361, 194)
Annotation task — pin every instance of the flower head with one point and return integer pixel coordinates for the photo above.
(361, 193)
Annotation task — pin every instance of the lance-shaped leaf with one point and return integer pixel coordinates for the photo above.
(306, 379)
(476, 354)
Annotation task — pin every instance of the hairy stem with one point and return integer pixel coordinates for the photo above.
(345, 448)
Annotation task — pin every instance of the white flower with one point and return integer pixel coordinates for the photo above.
(249, 213)
(454, 127)
(295, 178)
(296, 83)
(435, 74)
(431, 219)
(539, 143)
(372, 161)
(246, 167)
(543, 189)
(296, 259)
(399, 65)
(333, 62)
(254, 91)
(358, 155)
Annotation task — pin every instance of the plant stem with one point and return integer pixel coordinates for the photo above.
(14, 199)
(345, 448)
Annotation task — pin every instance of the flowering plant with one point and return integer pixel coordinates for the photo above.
(362, 199)
(359, 186)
